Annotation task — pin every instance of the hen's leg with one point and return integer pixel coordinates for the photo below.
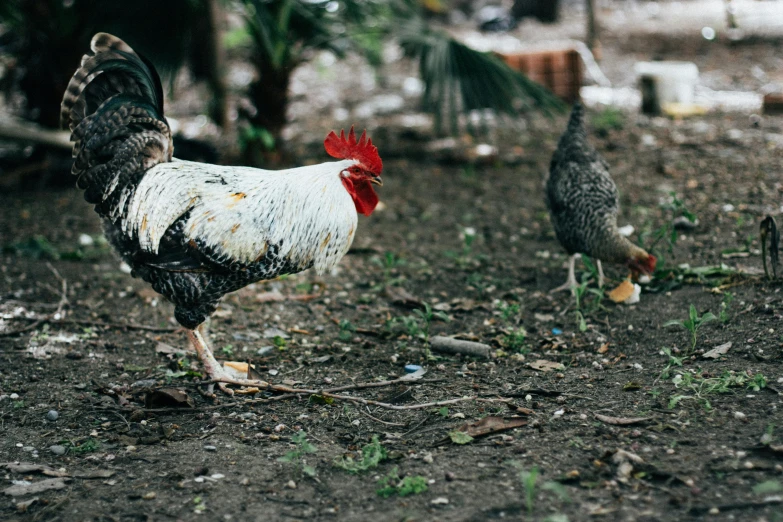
(213, 368)
(570, 284)
(601, 278)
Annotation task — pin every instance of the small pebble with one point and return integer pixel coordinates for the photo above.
(52, 415)
(670, 451)
(739, 415)
(14, 396)
(149, 495)
(210, 448)
(28, 449)
(57, 449)
(450, 476)
(291, 484)
(427, 458)
(714, 511)
(439, 501)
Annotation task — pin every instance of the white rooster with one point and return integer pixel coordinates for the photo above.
(196, 231)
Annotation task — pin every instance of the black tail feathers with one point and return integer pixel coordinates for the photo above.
(114, 108)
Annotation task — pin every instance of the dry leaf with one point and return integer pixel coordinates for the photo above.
(94, 474)
(716, 352)
(489, 425)
(604, 348)
(401, 297)
(23, 467)
(543, 365)
(168, 397)
(622, 292)
(620, 421)
(167, 349)
(275, 297)
(36, 487)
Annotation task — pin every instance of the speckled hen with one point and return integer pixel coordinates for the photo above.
(583, 204)
(196, 231)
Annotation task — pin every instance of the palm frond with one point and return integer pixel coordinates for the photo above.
(458, 79)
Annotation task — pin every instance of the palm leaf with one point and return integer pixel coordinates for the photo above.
(458, 79)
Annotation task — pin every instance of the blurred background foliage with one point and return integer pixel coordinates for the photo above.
(46, 38)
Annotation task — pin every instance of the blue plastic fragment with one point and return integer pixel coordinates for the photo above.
(412, 368)
(556, 331)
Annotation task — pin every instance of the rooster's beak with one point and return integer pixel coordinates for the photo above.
(377, 180)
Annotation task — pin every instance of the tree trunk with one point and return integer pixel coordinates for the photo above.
(208, 59)
(269, 95)
(593, 42)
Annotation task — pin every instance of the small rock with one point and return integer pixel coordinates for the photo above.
(150, 495)
(739, 415)
(714, 511)
(451, 476)
(291, 484)
(428, 458)
(439, 501)
(28, 449)
(210, 448)
(14, 396)
(52, 415)
(57, 449)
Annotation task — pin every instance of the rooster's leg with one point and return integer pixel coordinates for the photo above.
(570, 284)
(214, 369)
(601, 278)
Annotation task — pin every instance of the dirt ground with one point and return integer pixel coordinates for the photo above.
(630, 422)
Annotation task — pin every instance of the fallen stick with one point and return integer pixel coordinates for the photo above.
(456, 346)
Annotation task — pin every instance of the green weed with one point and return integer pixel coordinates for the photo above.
(346, 331)
(673, 361)
(699, 388)
(297, 455)
(515, 340)
(529, 481)
(723, 315)
(372, 454)
(392, 484)
(389, 263)
(608, 119)
(693, 323)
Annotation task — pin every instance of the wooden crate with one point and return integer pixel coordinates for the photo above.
(560, 71)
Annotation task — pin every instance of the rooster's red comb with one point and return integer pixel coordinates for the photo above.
(362, 151)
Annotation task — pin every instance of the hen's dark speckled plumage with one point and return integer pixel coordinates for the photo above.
(114, 108)
(582, 198)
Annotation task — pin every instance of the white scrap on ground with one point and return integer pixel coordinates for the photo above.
(635, 296)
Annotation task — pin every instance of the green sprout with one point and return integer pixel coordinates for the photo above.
(693, 323)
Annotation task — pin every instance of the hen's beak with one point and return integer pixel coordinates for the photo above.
(377, 181)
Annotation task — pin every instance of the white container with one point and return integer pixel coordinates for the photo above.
(675, 82)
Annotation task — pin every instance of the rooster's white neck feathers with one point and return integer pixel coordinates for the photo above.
(240, 211)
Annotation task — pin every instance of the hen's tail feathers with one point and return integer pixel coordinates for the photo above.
(114, 108)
